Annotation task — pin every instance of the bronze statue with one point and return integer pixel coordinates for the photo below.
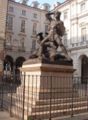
(56, 32)
(49, 44)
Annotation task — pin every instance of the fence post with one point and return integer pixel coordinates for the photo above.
(50, 98)
(11, 101)
(23, 96)
(28, 97)
(87, 92)
(72, 97)
(2, 92)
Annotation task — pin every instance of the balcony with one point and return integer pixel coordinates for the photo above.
(15, 48)
(79, 45)
(8, 47)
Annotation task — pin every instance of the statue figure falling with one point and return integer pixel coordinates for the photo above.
(49, 44)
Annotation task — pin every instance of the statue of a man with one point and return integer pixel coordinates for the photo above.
(56, 31)
(41, 51)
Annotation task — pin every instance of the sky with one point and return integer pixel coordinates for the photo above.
(45, 1)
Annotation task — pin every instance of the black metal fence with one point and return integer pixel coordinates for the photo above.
(44, 97)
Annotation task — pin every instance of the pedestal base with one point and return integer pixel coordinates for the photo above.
(45, 88)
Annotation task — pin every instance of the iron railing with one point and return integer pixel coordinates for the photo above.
(44, 97)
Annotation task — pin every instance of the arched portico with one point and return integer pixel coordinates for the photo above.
(8, 63)
(83, 67)
(19, 61)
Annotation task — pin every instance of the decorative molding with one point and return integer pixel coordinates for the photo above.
(22, 34)
(22, 17)
(26, 6)
(9, 31)
(78, 48)
(11, 14)
(34, 20)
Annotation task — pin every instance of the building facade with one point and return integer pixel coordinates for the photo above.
(75, 17)
(23, 24)
(3, 12)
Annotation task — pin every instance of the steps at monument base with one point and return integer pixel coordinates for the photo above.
(61, 106)
(68, 101)
(60, 100)
(58, 113)
(46, 93)
(41, 108)
(57, 106)
(58, 109)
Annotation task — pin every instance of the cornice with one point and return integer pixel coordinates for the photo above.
(84, 15)
(79, 16)
(63, 4)
(27, 6)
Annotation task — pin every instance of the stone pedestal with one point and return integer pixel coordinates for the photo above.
(45, 77)
(45, 83)
(45, 91)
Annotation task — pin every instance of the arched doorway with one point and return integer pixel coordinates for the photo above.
(8, 63)
(8, 69)
(18, 63)
(84, 68)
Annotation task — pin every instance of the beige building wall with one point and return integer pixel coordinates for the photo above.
(20, 42)
(32, 16)
(75, 17)
(3, 12)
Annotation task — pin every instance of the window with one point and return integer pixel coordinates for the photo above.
(10, 23)
(73, 33)
(65, 15)
(8, 40)
(22, 42)
(23, 12)
(23, 26)
(83, 34)
(82, 6)
(34, 28)
(35, 15)
(33, 45)
(65, 39)
(11, 9)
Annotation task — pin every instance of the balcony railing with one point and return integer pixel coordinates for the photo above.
(78, 45)
(8, 47)
(14, 48)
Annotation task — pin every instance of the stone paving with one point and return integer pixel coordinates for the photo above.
(5, 116)
(83, 116)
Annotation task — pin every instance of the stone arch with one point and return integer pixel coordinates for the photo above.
(83, 64)
(19, 61)
(8, 62)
